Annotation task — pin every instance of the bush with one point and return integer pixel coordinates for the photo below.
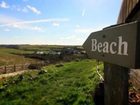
(59, 65)
(35, 66)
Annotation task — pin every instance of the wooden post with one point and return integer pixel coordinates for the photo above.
(5, 69)
(22, 66)
(14, 67)
(116, 84)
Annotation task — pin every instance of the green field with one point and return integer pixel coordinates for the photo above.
(9, 55)
(69, 84)
(12, 56)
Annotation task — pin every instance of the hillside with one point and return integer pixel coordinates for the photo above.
(9, 56)
(20, 54)
(70, 83)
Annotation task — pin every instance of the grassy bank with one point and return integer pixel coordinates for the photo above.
(68, 84)
(8, 56)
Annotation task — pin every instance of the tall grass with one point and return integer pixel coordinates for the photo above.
(69, 84)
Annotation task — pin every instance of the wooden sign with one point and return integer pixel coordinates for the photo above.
(118, 45)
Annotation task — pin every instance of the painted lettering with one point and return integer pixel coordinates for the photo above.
(123, 47)
(94, 44)
(99, 47)
(113, 45)
(120, 47)
(105, 47)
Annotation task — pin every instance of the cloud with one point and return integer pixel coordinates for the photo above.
(56, 24)
(55, 21)
(17, 26)
(33, 9)
(19, 8)
(26, 27)
(83, 12)
(4, 5)
(36, 28)
(10, 22)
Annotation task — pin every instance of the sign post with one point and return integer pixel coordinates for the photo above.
(117, 46)
(115, 84)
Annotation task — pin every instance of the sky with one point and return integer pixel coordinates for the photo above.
(54, 22)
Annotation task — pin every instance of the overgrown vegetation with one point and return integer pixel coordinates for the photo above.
(71, 83)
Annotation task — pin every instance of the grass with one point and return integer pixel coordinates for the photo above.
(40, 47)
(12, 56)
(69, 84)
(8, 56)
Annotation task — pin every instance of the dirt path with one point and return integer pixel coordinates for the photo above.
(12, 74)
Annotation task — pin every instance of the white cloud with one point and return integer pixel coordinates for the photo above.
(4, 5)
(33, 9)
(19, 8)
(56, 24)
(26, 27)
(17, 26)
(9, 21)
(84, 12)
(36, 28)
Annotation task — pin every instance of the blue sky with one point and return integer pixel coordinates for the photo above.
(61, 22)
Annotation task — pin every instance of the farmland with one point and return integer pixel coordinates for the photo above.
(69, 83)
(8, 56)
(18, 54)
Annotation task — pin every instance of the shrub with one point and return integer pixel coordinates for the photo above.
(35, 66)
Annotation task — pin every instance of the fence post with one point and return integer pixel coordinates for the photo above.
(5, 69)
(22, 66)
(14, 67)
(116, 84)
